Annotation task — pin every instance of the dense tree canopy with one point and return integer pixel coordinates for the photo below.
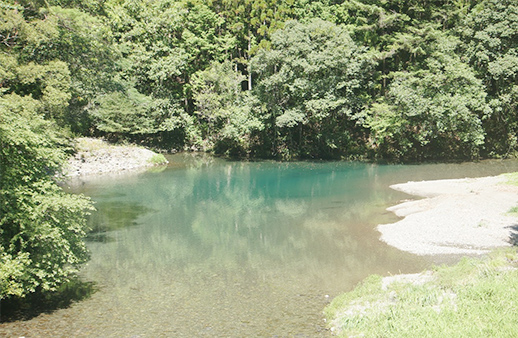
(312, 83)
(433, 110)
(41, 227)
(491, 31)
(402, 80)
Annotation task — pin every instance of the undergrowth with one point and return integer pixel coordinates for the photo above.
(474, 298)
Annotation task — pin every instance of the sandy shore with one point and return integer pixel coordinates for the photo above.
(95, 156)
(465, 216)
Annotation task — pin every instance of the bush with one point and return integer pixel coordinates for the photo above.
(41, 227)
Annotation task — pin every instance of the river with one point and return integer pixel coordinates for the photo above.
(212, 248)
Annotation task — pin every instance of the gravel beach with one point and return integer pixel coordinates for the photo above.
(462, 216)
(95, 156)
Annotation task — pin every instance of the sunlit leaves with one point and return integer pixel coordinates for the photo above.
(491, 31)
(166, 42)
(313, 76)
(130, 112)
(133, 67)
(225, 110)
(434, 111)
(13, 273)
(42, 228)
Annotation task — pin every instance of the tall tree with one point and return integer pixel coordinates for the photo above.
(312, 83)
(491, 32)
(431, 111)
(162, 43)
(41, 227)
(224, 111)
(252, 22)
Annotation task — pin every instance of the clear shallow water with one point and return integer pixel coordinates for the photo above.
(213, 248)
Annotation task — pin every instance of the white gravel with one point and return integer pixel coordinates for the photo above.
(464, 216)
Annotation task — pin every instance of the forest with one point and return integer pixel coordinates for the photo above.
(296, 79)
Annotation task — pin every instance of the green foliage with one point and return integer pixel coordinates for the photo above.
(492, 29)
(404, 80)
(164, 42)
(85, 43)
(312, 84)
(435, 111)
(224, 111)
(131, 112)
(12, 273)
(491, 32)
(158, 159)
(62, 54)
(41, 227)
(474, 298)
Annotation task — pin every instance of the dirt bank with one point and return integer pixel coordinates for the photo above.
(465, 216)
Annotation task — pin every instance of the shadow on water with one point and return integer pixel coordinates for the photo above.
(113, 215)
(17, 308)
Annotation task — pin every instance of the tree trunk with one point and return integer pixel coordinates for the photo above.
(249, 65)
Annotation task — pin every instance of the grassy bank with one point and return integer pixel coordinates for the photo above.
(474, 298)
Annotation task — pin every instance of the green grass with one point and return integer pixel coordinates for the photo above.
(88, 144)
(157, 159)
(513, 211)
(512, 178)
(474, 298)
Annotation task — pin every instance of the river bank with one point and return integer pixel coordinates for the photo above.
(463, 217)
(96, 156)
(474, 298)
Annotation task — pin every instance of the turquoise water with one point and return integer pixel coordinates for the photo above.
(207, 247)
